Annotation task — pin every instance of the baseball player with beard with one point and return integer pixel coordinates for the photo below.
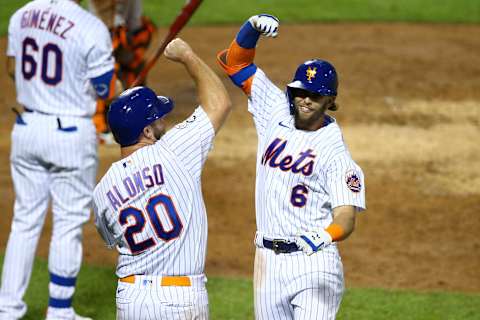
(149, 204)
(308, 188)
(60, 67)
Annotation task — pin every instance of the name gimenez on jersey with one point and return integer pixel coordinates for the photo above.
(134, 185)
(48, 21)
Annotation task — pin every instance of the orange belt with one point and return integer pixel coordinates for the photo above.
(166, 281)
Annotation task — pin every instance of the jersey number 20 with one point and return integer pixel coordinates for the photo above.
(151, 208)
(49, 51)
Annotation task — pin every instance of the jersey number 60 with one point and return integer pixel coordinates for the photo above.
(29, 64)
(151, 208)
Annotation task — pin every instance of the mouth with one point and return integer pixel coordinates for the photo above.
(304, 109)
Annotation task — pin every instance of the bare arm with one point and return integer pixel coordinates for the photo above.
(211, 92)
(341, 227)
(11, 67)
(344, 217)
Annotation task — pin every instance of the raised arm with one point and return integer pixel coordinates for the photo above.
(237, 60)
(211, 92)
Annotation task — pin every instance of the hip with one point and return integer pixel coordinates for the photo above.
(162, 291)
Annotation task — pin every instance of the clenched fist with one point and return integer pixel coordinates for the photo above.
(266, 24)
(178, 50)
(311, 242)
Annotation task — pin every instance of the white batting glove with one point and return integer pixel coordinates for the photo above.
(266, 24)
(311, 242)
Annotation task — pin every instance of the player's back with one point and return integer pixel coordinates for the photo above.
(154, 212)
(52, 43)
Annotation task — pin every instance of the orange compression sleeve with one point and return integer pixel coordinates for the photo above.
(238, 62)
(336, 231)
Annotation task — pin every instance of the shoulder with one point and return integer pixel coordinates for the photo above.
(198, 117)
(104, 182)
(332, 142)
(17, 15)
(90, 24)
(265, 91)
(262, 82)
(331, 133)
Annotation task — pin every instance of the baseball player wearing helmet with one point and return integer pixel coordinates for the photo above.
(60, 67)
(308, 188)
(149, 204)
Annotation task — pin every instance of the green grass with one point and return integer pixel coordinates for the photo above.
(298, 11)
(231, 299)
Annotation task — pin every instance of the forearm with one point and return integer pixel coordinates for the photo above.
(237, 60)
(212, 94)
(341, 227)
(239, 56)
(343, 223)
(242, 50)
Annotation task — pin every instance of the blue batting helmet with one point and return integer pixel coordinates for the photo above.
(316, 76)
(133, 110)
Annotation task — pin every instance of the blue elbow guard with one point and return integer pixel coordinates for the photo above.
(101, 84)
(247, 37)
(241, 76)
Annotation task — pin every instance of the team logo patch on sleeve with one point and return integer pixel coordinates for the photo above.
(185, 123)
(352, 179)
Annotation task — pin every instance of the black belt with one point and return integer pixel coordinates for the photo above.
(280, 246)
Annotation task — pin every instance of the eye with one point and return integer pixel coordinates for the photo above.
(300, 93)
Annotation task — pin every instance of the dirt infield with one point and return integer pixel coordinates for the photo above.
(410, 109)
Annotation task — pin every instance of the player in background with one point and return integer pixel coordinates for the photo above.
(149, 204)
(60, 68)
(308, 188)
(132, 34)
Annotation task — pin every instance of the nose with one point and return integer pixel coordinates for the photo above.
(307, 100)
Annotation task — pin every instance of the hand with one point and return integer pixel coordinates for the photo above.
(118, 87)
(266, 24)
(178, 50)
(311, 242)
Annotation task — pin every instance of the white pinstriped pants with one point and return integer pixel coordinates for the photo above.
(297, 286)
(146, 299)
(48, 164)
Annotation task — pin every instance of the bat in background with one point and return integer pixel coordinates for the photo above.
(180, 21)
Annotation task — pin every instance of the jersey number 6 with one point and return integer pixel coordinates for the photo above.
(151, 208)
(299, 196)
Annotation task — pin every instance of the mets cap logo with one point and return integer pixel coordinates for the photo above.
(311, 72)
(352, 179)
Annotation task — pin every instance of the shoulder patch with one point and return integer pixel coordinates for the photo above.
(184, 124)
(352, 179)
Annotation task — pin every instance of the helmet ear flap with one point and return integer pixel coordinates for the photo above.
(291, 104)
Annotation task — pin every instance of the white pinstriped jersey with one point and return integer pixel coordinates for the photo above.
(301, 175)
(58, 47)
(150, 205)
